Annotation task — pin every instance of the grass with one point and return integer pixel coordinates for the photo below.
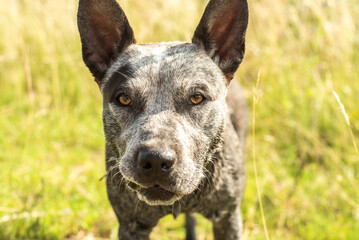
(52, 145)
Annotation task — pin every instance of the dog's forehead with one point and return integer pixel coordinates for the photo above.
(174, 61)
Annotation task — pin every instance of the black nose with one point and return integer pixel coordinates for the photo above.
(153, 164)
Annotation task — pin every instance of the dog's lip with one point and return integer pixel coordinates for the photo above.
(155, 193)
(155, 188)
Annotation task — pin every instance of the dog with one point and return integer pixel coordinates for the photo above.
(174, 122)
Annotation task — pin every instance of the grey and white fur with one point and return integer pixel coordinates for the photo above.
(175, 124)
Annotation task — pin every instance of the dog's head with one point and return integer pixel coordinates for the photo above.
(163, 104)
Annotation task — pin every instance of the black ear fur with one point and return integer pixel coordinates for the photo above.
(105, 33)
(221, 32)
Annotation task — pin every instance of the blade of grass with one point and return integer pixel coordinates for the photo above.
(255, 101)
(347, 120)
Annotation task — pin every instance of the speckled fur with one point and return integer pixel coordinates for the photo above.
(206, 141)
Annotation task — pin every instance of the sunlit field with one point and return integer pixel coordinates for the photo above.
(52, 143)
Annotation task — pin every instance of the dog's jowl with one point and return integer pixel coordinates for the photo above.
(175, 123)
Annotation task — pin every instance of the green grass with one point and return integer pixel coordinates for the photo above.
(52, 145)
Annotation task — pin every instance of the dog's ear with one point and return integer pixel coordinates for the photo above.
(221, 32)
(105, 33)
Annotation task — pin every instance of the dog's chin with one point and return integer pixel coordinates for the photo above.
(155, 195)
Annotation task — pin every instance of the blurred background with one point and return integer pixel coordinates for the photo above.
(52, 144)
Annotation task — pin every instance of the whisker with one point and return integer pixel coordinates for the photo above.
(122, 181)
(138, 203)
(107, 173)
(114, 176)
(112, 159)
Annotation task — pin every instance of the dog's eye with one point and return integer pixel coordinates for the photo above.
(124, 99)
(197, 99)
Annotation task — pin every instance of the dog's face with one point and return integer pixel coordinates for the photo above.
(163, 104)
(159, 109)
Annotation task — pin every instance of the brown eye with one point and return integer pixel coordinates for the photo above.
(124, 99)
(197, 99)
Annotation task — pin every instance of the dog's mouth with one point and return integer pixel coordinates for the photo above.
(155, 195)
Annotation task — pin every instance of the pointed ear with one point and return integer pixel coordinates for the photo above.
(221, 32)
(105, 33)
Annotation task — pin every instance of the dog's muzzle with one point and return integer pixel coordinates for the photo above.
(155, 169)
